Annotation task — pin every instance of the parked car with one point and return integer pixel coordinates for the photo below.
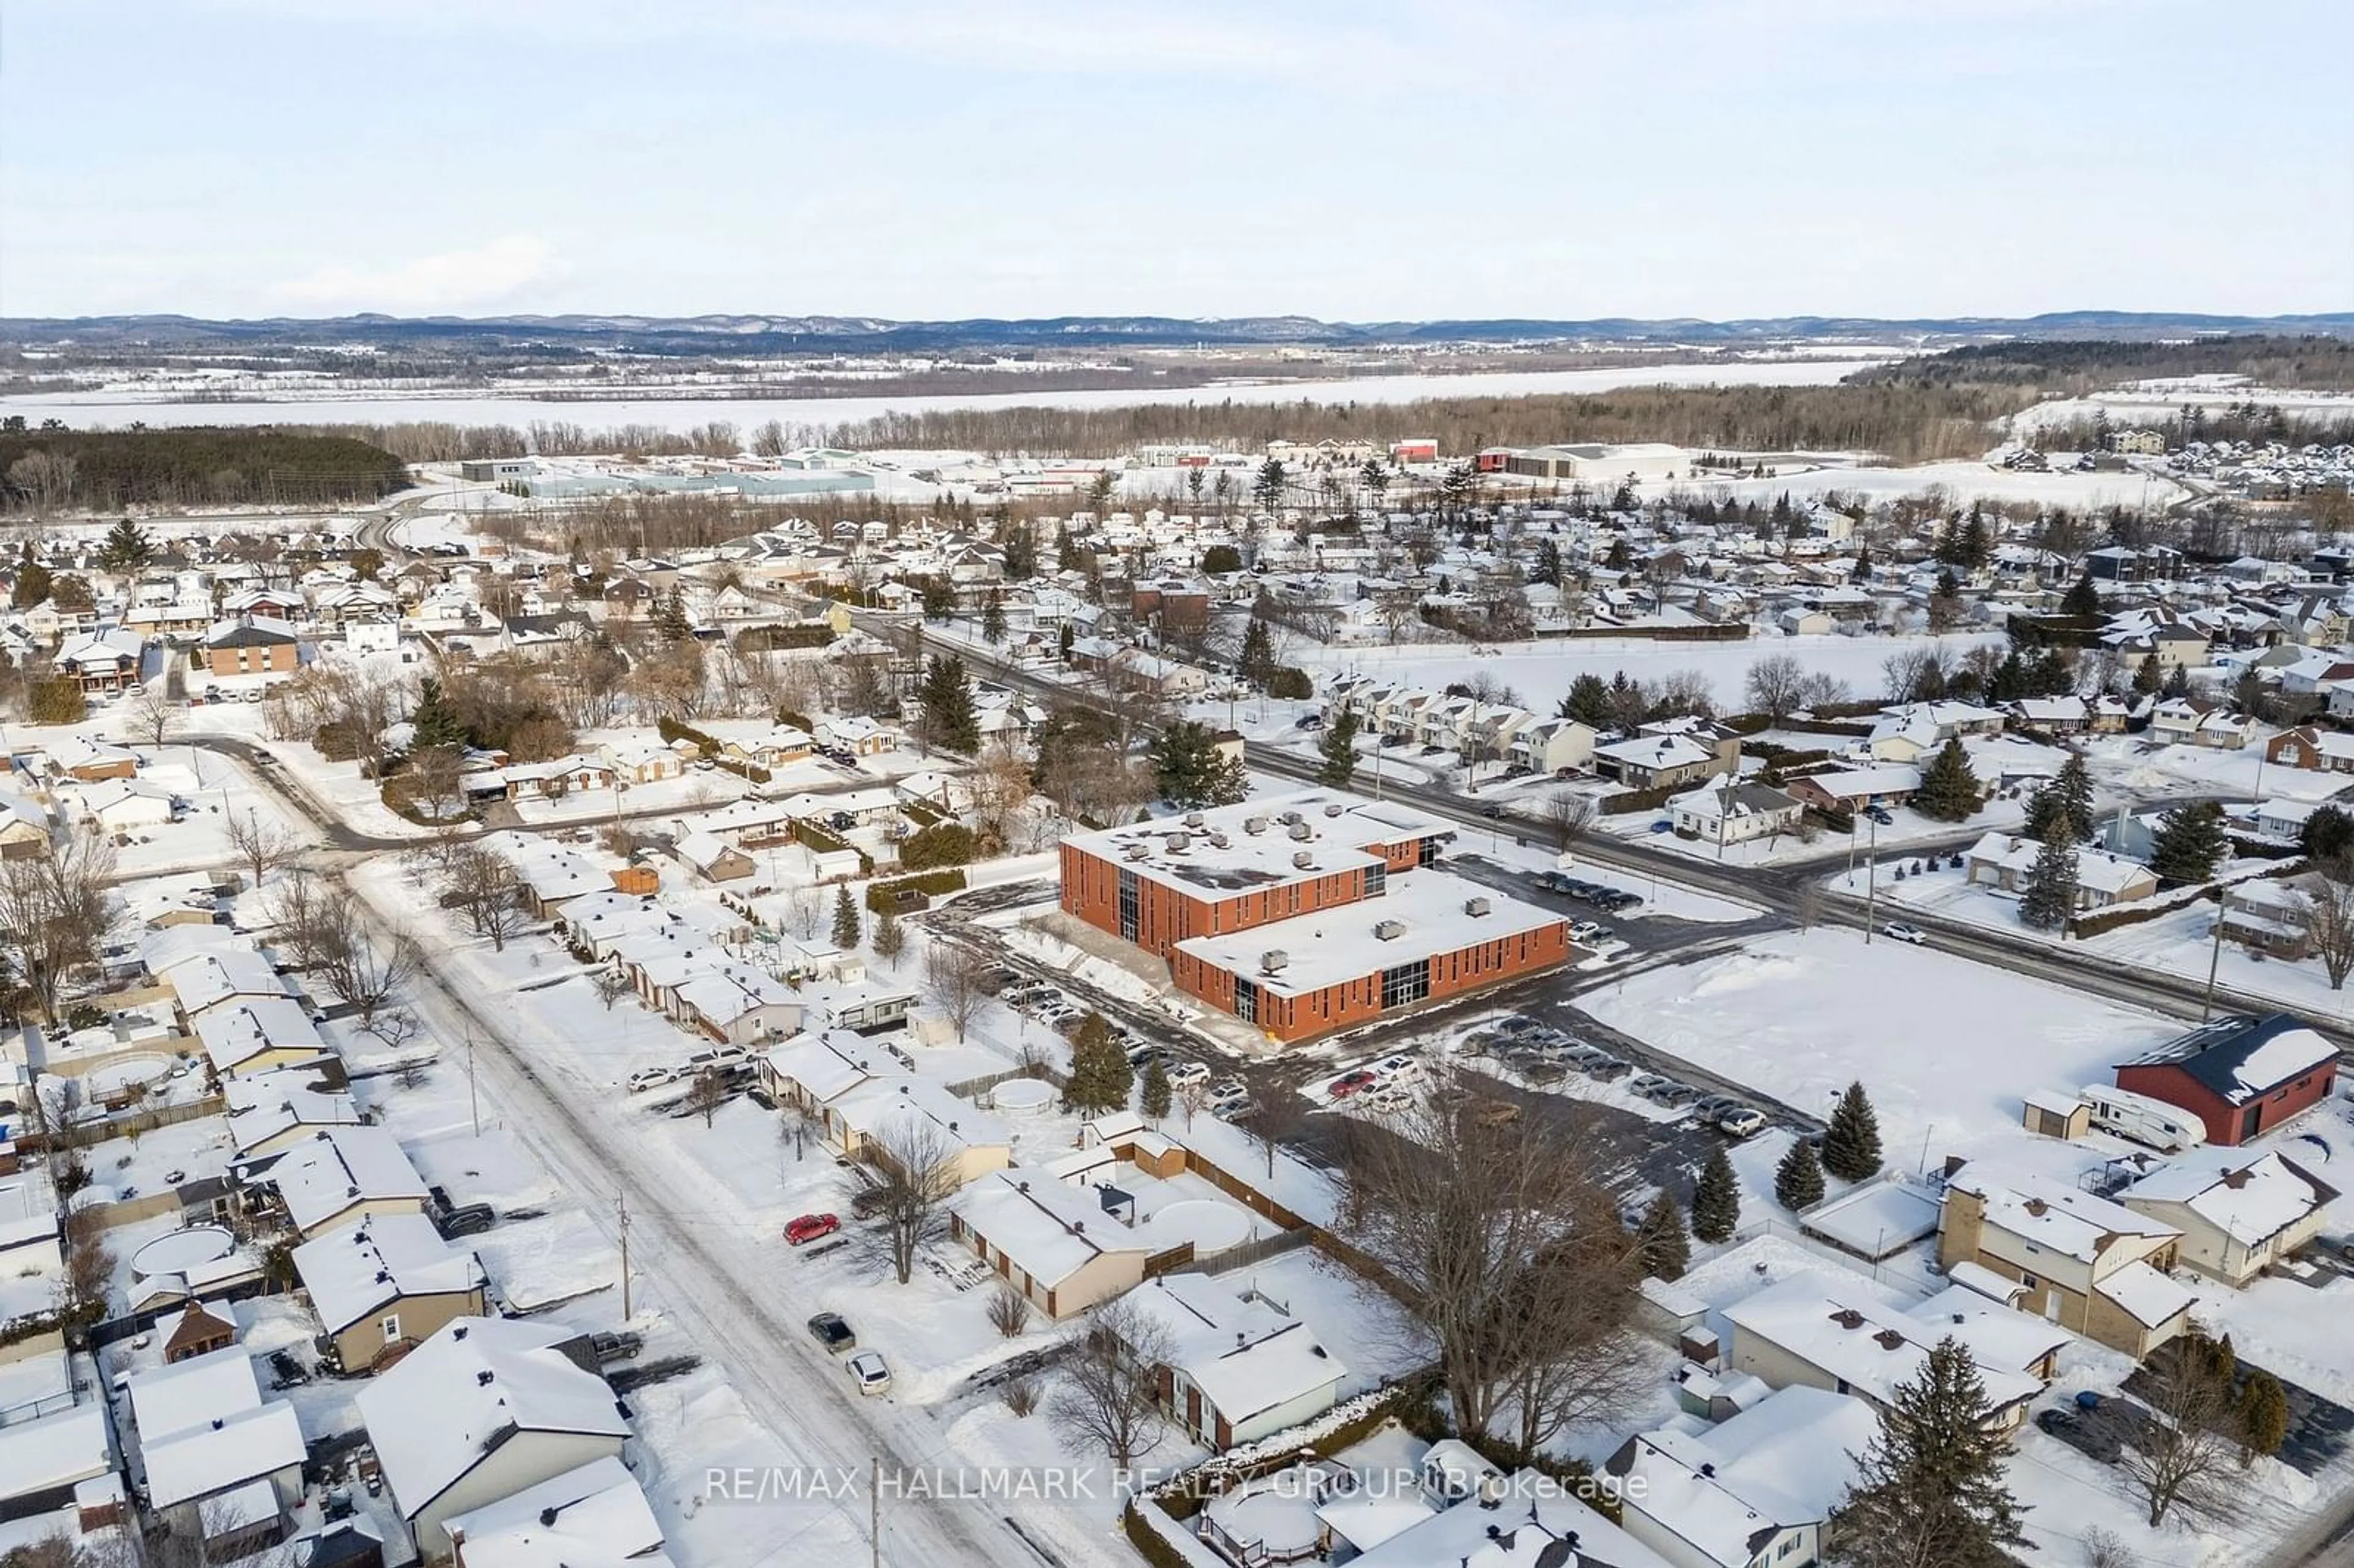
(1899, 931)
(646, 1078)
(1398, 1066)
(870, 1372)
(1663, 826)
(1387, 1100)
(1519, 1024)
(1743, 1121)
(1491, 810)
(1643, 1084)
(1714, 1106)
(1185, 1074)
(808, 1228)
(1585, 1056)
(832, 1333)
(1585, 931)
(1879, 814)
(1607, 1068)
(1673, 1094)
(1349, 1084)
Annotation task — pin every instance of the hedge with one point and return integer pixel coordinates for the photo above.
(945, 844)
(799, 721)
(1631, 800)
(743, 770)
(1290, 683)
(2170, 902)
(884, 896)
(923, 816)
(57, 701)
(826, 842)
(671, 732)
(817, 634)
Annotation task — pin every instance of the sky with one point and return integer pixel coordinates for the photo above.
(1357, 160)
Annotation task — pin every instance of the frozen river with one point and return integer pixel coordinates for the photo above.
(121, 406)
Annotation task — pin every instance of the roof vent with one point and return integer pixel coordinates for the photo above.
(1302, 861)
(459, 1332)
(1177, 842)
(1848, 1317)
(1139, 852)
(483, 1378)
(1022, 1186)
(1890, 1340)
(1709, 1469)
(1219, 841)
(548, 1518)
(1273, 961)
(1303, 831)
(1389, 930)
(1474, 907)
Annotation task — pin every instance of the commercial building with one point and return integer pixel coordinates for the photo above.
(1266, 910)
(2240, 1075)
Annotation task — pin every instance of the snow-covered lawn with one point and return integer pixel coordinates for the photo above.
(1945, 1047)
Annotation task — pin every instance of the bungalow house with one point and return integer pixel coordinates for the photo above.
(642, 764)
(2314, 750)
(117, 806)
(1910, 731)
(593, 1517)
(1057, 1245)
(1465, 1513)
(2316, 675)
(23, 827)
(2002, 862)
(252, 1035)
(268, 1111)
(224, 1464)
(1723, 811)
(2053, 716)
(565, 776)
(337, 1176)
(1813, 1331)
(2087, 1263)
(1854, 788)
(858, 735)
(484, 1408)
(866, 1112)
(1238, 1368)
(737, 1005)
(778, 746)
(82, 759)
(219, 974)
(714, 859)
(384, 1284)
(1755, 1489)
(1657, 761)
(101, 661)
(2239, 1212)
(2240, 1074)
(55, 1449)
(249, 645)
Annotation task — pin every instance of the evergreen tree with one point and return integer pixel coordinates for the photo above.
(2050, 896)
(940, 597)
(1588, 701)
(845, 919)
(1661, 1243)
(2147, 679)
(1929, 1490)
(1063, 638)
(1861, 571)
(2082, 600)
(2328, 835)
(2189, 843)
(671, 619)
(992, 622)
(435, 722)
(1949, 790)
(1798, 1180)
(126, 549)
(1852, 1141)
(1100, 1076)
(1266, 487)
(1548, 565)
(890, 939)
(1339, 748)
(32, 585)
(1020, 545)
(1716, 1199)
(1621, 555)
(2177, 681)
(945, 701)
(2067, 797)
(1256, 663)
(1189, 772)
(2263, 1417)
(1154, 1094)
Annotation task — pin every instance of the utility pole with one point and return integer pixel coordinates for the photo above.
(874, 1512)
(473, 1100)
(1870, 880)
(2214, 958)
(626, 1313)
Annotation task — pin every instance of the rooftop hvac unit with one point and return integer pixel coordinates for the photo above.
(1219, 841)
(1303, 860)
(1301, 831)
(1273, 961)
(1334, 810)
(1474, 907)
(1389, 930)
(1192, 819)
(1293, 819)
(1254, 824)
(1139, 852)
(1177, 842)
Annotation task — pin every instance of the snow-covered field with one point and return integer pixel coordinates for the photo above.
(1963, 481)
(1945, 1047)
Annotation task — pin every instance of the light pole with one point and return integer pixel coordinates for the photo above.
(1870, 880)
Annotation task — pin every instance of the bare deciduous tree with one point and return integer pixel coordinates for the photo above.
(2329, 910)
(958, 980)
(915, 1163)
(707, 1093)
(1568, 817)
(1008, 1311)
(1107, 1400)
(611, 986)
(1776, 684)
(484, 889)
(1508, 1251)
(152, 714)
(2185, 1451)
(804, 909)
(54, 912)
(264, 847)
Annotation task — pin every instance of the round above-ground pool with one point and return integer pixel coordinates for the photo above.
(180, 1251)
(1022, 1096)
(113, 1078)
(1210, 1225)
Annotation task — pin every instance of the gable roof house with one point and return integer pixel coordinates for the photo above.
(269, 1110)
(2239, 1211)
(1055, 1245)
(223, 1465)
(248, 1034)
(248, 644)
(1239, 1368)
(222, 974)
(2087, 1263)
(1724, 811)
(381, 1286)
(2312, 750)
(337, 1175)
(2001, 862)
(2240, 1074)
(483, 1409)
(1756, 1489)
(1657, 761)
(592, 1517)
(101, 661)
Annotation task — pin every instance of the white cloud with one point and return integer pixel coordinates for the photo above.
(491, 274)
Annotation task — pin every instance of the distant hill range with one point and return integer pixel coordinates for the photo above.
(766, 334)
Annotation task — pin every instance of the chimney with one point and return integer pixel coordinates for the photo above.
(1333, 810)
(483, 1378)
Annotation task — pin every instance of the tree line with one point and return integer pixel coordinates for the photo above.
(52, 469)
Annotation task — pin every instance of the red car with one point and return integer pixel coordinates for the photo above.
(1351, 1083)
(809, 1227)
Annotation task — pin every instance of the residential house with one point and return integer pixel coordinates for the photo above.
(2316, 675)
(89, 760)
(223, 1464)
(593, 1517)
(642, 764)
(1657, 761)
(2003, 863)
(483, 1409)
(2240, 1210)
(248, 1034)
(338, 1175)
(1725, 812)
(1816, 1331)
(569, 774)
(714, 859)
(1754, 1489)
(1911, 731)
(269, 1111)
(219, 974)
(2087, 1263)
(25, 828)
(2187, 721)
(384, 1284)
(249, 645)
(2272, 917)
(1238, 1368)
(1554, 745)
(1852, 790)
(2312, 750)
(858, 735)
(101, 661)
(2240, 1074)
(1057, 1245)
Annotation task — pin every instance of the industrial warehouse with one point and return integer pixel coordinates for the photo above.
(1266, 910)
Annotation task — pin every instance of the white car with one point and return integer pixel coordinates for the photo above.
(1586, 931)
(1183, 1075)
(870, 1371)
(1399, 1069)
(1743, 1122)
(646, 1078)
(1901, 932)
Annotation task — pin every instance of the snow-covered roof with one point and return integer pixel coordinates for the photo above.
(204, 1426)
(235, 1034)
(1245, 848)
(2095, 868)
(1873, 1348)
(592, 1517)
(2055, 1217)
(56, 1450)
(356, 1271)
(1729, 1490)
(2241, 1057)
(206, 978)
(824, 1066)
(903, 1106)
(321, 1176)
(435, 1413)
(2150, 1296)
(1995, 1334)
(1532, 1525)
(1656, 753)
(1048, 1230)
(1245, 1355)
(263, 1104)
(1329, 947)
(2248, 1194)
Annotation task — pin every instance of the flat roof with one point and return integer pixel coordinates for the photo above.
(1257, 844)
(1330, 946)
